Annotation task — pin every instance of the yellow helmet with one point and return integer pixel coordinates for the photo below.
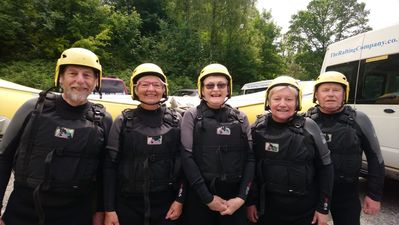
(282, 81)
(214, 69)
(80, 57)
(332, 77)
(147, 69)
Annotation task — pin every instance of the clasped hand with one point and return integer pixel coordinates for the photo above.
(225, 207)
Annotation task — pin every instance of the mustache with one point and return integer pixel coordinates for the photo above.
(80, 86)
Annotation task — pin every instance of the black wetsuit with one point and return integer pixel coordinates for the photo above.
(143, 175)
(218, 160)
(294, 174)
(44, 154)
(350, 133)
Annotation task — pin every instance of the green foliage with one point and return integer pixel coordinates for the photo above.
(180, 36)
(180, 52)
(271, 63)
(36, 73)
(322, 23)
(180, 83)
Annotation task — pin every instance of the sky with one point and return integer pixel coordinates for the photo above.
(383, 13)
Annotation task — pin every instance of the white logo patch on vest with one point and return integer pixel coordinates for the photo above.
(223, 130)
(328, 137)
(63, 132)
(154, 140)
(272, 147)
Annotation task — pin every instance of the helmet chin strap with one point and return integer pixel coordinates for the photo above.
(156, 103)
(99, 92)
(227, 98)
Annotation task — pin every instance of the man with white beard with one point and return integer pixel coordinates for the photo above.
(54, 145)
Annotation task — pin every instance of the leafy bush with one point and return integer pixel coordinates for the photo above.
(36, 73)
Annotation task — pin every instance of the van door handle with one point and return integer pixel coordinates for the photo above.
(389, 110)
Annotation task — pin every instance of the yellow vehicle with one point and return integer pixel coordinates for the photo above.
(13, 95)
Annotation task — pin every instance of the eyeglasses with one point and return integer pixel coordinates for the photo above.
(146, 84)
(211, 86)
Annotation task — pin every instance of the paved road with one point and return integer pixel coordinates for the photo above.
(387, 216)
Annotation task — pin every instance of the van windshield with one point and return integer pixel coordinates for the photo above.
(112, 87)
(250, 91)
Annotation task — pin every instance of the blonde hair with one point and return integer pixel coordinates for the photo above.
(280, 87)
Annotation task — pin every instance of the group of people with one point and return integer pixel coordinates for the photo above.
(73, 165)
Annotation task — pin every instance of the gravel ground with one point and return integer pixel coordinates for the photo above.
(389, 207)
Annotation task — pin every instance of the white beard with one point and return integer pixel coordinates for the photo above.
(78, 97)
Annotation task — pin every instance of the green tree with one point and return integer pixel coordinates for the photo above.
(322, 23)
(180, 53)
(44, 28)
(152, 12)
(182, 36)
(123, 45)
(35, 73)
(266, 33)
(212, 31)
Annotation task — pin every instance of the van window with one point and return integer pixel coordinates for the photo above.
(349, 70)
(378, 80)
(254, 87)
(250, 91)
(110, 85)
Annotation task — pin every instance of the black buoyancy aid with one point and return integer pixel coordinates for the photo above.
(220, 148)
(57, 153)
(284, 159)
(343, 141)
(149, 157)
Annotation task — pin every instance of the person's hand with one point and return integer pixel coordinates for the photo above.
(217, 204)
(370, 206)
(111, 218)
(174, 211)
(98, 218)
(252, 214)
(2, 222)
(232, 205)
(320, 218)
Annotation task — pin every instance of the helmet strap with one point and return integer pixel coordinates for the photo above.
(227, 98)
(99, 92)
(156, 103)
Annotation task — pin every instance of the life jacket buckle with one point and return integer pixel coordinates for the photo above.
(152, 158)
(59, 151)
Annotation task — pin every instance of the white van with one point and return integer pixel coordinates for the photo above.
(257, 86)
(371, 63)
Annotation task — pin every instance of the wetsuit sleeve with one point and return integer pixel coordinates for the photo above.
(190, 168)
(324, 168)
(253, 195)
(375, 162)
(111, 163)
(10, 142)
(249, 169)
(181, 179)
(106, 125)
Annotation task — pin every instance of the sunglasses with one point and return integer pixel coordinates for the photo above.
(211, 86)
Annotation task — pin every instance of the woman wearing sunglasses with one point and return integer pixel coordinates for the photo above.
(216, 156)
(142, 182)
